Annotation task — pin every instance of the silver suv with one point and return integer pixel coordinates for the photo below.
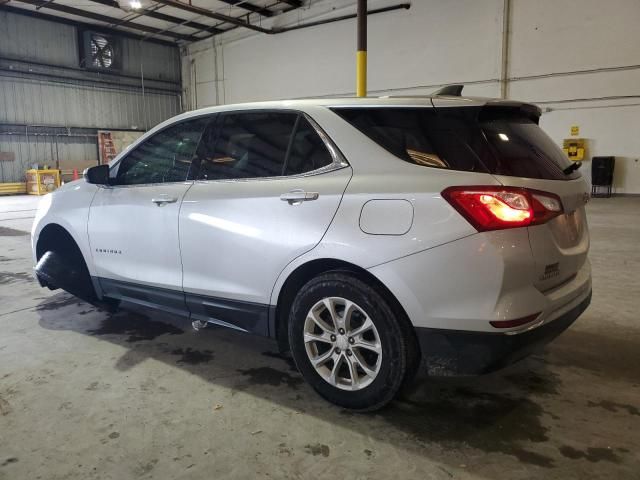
(370, 237)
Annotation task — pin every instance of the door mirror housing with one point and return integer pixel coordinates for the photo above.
(98, 175)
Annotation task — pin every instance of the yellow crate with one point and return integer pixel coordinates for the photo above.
(13, 188)
(41, 182)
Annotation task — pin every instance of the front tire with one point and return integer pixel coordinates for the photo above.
(67, 270)
(347, 341)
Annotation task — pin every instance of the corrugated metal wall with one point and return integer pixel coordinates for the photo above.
(30, 148)
(39, 40)
(35, 101)
(42, 85)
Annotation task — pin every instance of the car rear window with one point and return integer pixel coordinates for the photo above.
(501, 141)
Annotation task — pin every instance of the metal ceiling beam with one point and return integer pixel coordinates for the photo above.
(106, 19)
(84, 25)
(315, 23)
(293, 3)
(207, 13)
(164, 17)
(250, 7)
(49, 1)
(299, 26)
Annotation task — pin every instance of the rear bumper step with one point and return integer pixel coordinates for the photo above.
(454, 352)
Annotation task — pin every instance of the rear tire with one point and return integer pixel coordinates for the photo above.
(348, 343)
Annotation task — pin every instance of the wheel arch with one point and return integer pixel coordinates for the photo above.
(305, 272)
(60, 263)
(55, 234)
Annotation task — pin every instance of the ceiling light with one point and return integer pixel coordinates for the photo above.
(135, 4)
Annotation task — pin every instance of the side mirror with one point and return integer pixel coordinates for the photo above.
(98, 175)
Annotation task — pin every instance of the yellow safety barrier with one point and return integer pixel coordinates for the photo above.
(13, 188)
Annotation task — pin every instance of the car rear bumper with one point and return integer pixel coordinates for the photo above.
(455, 352)
(466, 284)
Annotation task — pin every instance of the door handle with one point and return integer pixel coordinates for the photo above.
(163, 200)
(296, 197)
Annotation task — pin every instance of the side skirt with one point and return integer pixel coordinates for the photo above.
(247, 317)
(244, 316)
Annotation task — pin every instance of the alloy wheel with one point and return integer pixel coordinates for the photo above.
(342, 343)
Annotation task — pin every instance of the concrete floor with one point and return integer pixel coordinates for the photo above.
(139, 395)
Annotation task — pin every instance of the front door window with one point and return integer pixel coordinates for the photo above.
(165, 157)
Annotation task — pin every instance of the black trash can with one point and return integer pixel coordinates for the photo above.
(602, 176)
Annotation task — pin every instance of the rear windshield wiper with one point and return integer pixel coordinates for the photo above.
(572, 168)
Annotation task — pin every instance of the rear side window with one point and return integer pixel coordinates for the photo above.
(416, 135)
(500, 142)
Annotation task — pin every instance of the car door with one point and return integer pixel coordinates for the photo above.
(267, 189)
(133, 223)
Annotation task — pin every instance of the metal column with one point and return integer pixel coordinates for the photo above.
(361, 55)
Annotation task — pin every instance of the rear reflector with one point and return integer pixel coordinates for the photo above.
(496, 208)
(518, 322)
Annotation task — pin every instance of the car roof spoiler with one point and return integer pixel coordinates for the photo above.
(510, 108)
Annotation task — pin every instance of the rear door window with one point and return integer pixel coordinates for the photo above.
(474, 139)
(307, 152)
(246, 145)
(260, 144)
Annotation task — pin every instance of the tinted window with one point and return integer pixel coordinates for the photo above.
(246, 145)
(494, 140)
(523, 149)
(165, 157)
(416, 136)
(307, 152)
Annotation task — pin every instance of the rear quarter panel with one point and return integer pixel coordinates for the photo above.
(435, 222)
(379, 175)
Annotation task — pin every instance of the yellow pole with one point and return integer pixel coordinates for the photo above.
(361, 55)
(361, 73)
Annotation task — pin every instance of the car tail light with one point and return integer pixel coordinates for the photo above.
(496, 208)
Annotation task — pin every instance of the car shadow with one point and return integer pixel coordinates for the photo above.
(506, 412)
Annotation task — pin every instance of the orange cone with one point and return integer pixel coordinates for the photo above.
(75, 174)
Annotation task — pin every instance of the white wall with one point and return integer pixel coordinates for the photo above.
(567, 36)
(579, 59)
